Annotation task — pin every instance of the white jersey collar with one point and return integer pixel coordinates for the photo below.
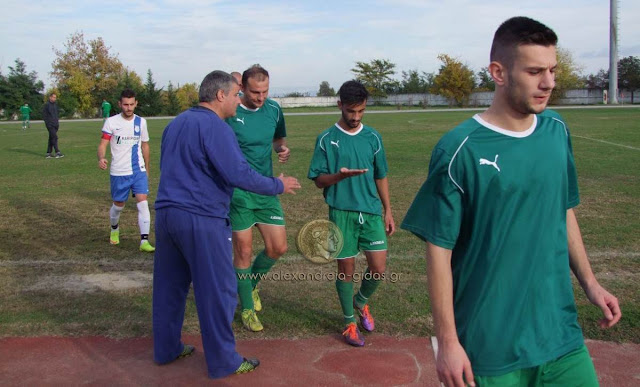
(506, 132)
(349, 133)
(251, 110)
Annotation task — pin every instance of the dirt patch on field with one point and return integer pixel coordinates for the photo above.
(87, 283)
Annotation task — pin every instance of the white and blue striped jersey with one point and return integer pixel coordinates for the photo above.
(126, 138)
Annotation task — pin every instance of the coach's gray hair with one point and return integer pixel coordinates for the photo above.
(214, 81)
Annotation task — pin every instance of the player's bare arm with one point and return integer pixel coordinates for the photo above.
(383, 191)
(452, 363)
(581, 267)
(145, 155)
(280, 147)
(326, 180)
(102, 152)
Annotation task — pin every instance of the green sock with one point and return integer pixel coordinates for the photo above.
(244, 288)
(345, 295)
(368, 287)
(261, 266)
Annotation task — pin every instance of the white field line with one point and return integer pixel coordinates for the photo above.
(635, 106)
(147, 262)
(606, 142)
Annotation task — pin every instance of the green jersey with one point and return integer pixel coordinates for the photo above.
(106, 109)
(255, 131)
(498, 199)
(336, 148)
(25, 111)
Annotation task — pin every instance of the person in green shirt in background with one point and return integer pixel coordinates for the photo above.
(106, 109)
(350, 165)
(25, 111)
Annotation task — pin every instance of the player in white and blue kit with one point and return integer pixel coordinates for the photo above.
(128, 137)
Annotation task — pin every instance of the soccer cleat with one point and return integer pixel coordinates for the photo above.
(146, 247)
(257, 304)
(352, 335)
(115, 237)
(366, 319)
(48, 156)
(59, 155)
(250, 320)
(247, 365)
(188, 350)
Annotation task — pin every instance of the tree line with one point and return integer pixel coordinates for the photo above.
(456, 81)
(85, 73)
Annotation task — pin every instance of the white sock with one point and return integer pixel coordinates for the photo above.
(114, 214)
(144, 217)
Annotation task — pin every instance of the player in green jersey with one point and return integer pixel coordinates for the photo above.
(25, 111)
(106, 109)
(259, 127)
(502, 237)
(350, 165)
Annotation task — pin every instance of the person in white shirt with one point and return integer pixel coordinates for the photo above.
(128, 137)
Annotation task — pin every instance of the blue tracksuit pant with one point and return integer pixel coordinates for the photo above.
(198, 249)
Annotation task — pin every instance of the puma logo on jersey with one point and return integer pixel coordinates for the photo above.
(335, 143)
(240, 120)
(494, 163)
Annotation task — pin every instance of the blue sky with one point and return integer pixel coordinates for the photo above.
(300, 43)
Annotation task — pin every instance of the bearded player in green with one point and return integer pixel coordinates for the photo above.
(350, 165)
(259, 126)
(496, 212)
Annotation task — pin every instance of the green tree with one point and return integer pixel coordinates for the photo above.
(150, 100)
(415, 83)
(86, 71)
(599, 80)
(127, 79)
(18, 88)
(629, 74)
(325, 90)
(296, 94)
(173, 105)
(187, 95)
(375, 76)
(568, 74)
(454, 81)
(485, 81)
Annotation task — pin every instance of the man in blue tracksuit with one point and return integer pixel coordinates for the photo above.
(200, 165)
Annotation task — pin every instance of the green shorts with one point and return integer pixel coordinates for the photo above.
(573, 369)
(360, 230)
(243, 218)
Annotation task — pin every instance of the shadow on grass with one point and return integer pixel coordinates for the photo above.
(28, 152)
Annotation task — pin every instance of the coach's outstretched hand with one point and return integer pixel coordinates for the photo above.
(290, 183)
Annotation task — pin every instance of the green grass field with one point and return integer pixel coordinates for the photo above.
(54, 228)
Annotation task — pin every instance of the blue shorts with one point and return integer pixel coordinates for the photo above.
(121, 185)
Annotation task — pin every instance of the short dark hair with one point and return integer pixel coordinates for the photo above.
(127, 93)
(255, 71)
(518, 31)
(352, 93)
(214, 81)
